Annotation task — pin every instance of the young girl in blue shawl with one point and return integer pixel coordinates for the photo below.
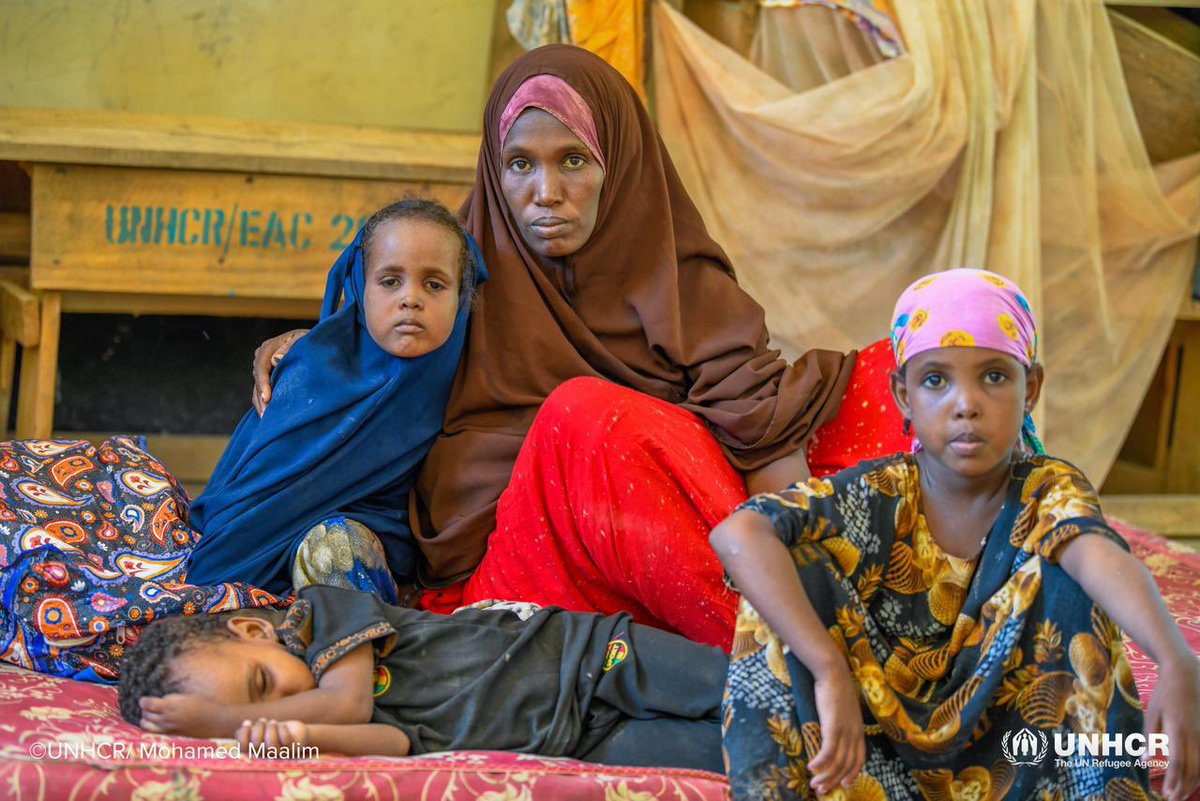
(316, 489)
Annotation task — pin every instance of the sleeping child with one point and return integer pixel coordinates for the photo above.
(316, 489)
(926, 625)
(343, 671)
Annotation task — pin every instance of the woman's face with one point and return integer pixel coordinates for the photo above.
(551, 182)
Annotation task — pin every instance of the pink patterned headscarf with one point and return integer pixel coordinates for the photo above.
(557, 97)
(964, 308)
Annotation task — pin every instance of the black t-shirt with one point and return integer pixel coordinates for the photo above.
(477, 679)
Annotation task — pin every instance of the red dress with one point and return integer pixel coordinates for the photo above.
(614, 494)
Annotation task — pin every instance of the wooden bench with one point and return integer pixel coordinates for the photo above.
(160, 214)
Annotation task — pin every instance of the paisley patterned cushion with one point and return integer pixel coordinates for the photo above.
(93, 543)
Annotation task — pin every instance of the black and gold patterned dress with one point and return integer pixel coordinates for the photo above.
(954, 657)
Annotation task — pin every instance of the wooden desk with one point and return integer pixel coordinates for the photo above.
(158, 214)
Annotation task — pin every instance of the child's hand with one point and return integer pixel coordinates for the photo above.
(272, 733)
(1174, 709)
(177, 713)
(843, 741)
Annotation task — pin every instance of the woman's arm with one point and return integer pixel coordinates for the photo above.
(266, 356)
(1123, 587)
(364, 739)
(762, 568)
(343, 697)
(779, 474)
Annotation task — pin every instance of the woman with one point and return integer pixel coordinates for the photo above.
(617, 394)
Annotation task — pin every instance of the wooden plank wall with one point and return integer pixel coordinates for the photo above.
(182, 232)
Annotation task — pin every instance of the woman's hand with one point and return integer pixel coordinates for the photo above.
(843, 741)
(274, 734)
(1174, 709)
(266, 356)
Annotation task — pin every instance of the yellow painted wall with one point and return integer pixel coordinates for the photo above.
(404, 63)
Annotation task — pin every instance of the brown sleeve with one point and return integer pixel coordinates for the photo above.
(759, 407)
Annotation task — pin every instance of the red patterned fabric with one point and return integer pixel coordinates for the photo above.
(609, 508)
(614, 494)
(65, 739)
(868, 423)
(1176, 570)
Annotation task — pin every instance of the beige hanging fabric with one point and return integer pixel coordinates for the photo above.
(1003, 138)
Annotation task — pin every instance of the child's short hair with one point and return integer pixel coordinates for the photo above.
(430, 211)
(146, 666)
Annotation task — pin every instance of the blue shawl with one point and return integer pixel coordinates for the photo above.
(344, 434)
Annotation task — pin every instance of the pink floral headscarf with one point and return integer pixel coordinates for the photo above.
(964, 308)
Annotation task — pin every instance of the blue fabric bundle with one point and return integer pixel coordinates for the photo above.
(344, 434)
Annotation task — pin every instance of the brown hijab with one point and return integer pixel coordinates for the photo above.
(649, 302)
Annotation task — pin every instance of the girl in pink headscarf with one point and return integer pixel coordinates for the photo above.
(924, 625)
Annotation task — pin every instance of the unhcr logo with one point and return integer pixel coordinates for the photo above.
(1030, 746)
(1025, 747)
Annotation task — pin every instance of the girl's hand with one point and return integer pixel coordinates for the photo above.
(843, 741)
(264, 733)
(178, 713)
(1174, 709)
(266, 356)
